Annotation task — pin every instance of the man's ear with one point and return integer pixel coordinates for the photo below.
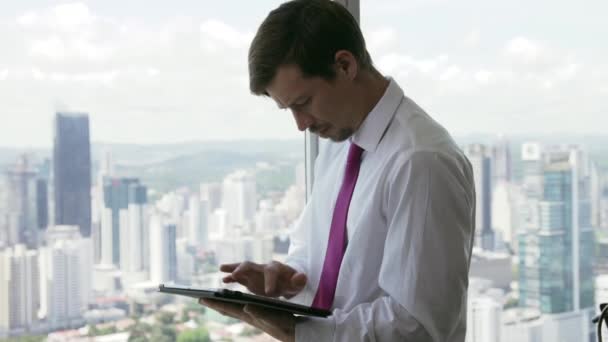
(346, 64)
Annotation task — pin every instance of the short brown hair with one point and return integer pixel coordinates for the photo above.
(307, 33)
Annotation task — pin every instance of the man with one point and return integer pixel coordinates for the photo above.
(385, 239)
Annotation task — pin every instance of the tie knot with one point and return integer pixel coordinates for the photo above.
(354, 154)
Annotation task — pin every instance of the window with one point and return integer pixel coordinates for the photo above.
(528, 86)
(135, 156)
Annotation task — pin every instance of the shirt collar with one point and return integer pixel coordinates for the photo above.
(372, 129)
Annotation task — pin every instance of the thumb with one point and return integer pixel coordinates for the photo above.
(298, 280)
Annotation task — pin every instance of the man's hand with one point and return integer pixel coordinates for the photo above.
(273, 279)
(278, 324)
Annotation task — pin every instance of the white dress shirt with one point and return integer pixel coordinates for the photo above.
(404, 275)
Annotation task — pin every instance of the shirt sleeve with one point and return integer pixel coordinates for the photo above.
(381, 320)
(429, 205)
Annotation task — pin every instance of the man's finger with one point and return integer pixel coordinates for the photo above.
(298, 281)
(229, 279)
(229, 267)
(227, 309)
(271, 274)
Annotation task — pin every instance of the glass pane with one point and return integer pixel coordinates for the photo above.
(521, 86)
(133, 154)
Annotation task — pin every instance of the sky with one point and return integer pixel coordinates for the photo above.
(174, 71)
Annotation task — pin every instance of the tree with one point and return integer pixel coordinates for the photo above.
(165, 318)
(139, 332)
(196, 335)
(163, 333)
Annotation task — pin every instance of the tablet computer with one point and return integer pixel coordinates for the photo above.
(244, 298)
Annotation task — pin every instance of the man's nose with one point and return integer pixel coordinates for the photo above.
(302, 120)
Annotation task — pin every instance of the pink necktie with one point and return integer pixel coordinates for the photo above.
(337, 234)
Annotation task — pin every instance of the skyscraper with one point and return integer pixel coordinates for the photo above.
(239, 197)
(532, 164)
(19, 289)
(137, 231)
(198, 220)
(66, 269)
(42, 203)
(501, 159)
(483, 319)
(115, 218)
(163, 259)
(21, 184)
(556, 256)
(482, 172)
(72, 171)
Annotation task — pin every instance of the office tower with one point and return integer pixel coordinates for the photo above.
(556, 256)
(218, 224)
(239, 197)
(483, 320)
(502, 163)
(596, 195)
(163, 259)
(198, 221)
(482, 172)
(42, 204)
(19, 289)
(213, 193)
(72, 171)
(84, 250)
(22, 204)
(137, 244)
(532, 164)
(266, 219)
(115, 220)
(185, 262)
(66, 270)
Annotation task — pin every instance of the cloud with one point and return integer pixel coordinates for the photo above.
(68, 17)
(217, 32)
(523, 50)
(399, 63)
(473, 38)
(483, 76)
(381, 39)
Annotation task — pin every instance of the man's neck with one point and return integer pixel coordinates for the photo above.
(373, 87)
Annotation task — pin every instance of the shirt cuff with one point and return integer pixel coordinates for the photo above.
(314, 329)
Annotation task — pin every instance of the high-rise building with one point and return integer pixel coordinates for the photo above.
(482, 172)
(72, 171)
(239, 197)
(502, 163)
(115, 220)
(83, 248)
(532, 164)
(163, 259)
(483, 319)
(62, 284)
(198, 221)
(42, 203)
(266, 219)
(556, 256)
(185, 261)
(596, 195)
(19, 290)
(137, 244)
(213, 193)
(22, 204)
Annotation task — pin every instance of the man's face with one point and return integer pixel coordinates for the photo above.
(323, 107)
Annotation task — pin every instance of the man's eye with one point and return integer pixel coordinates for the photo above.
(303, 103)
